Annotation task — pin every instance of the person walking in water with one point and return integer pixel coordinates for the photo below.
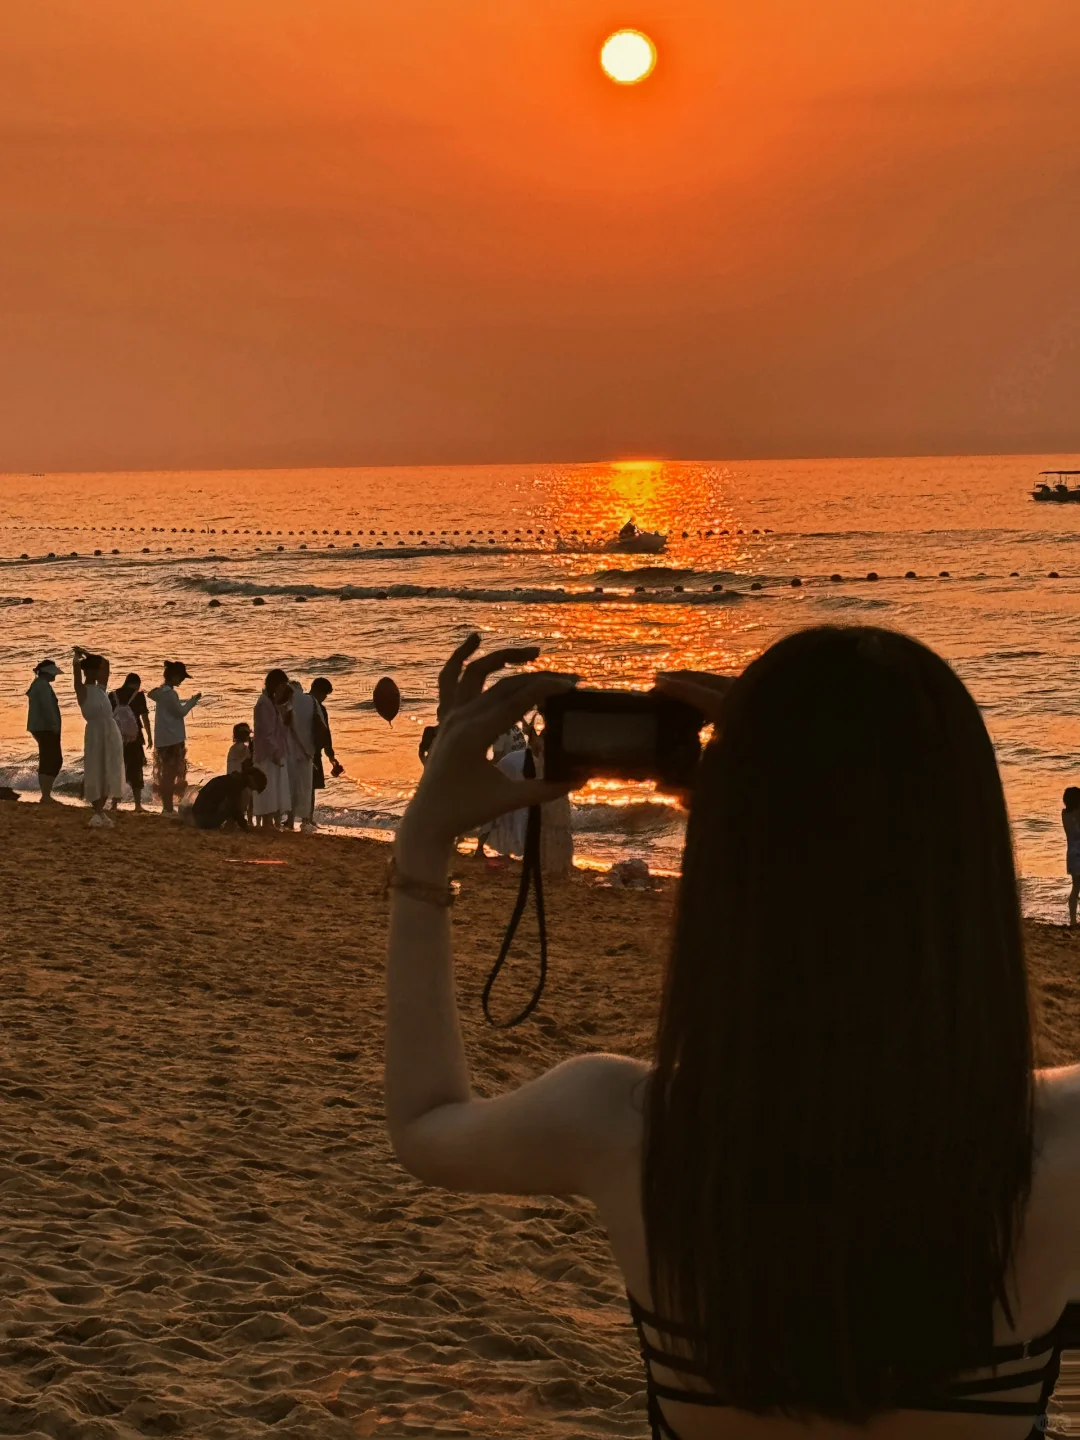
(270, 748)
(103, 747)
(1070, 820)
(170, 735)
(44, 724)
(132, 716)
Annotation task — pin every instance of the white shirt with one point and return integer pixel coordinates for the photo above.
(169, 712)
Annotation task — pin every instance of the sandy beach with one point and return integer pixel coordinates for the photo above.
(203, 1230)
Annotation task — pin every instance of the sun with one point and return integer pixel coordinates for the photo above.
(628, 57)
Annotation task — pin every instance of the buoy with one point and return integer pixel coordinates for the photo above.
(678, 589)
(756, 585)
(909, 575)
(51, 555)
(381, 595)
(718, 587)
(25, 556)
(97, 552)
(872, 575)
(1013, 574)
(146, 550)
(755, 532)
(943, 575)
(301, 599)
(639, 589)
(795, 582)
(213, 604)
(1053, 575)
(303, 547)
(836, 579)
(281, 547)
(116, 552)
(169, 602)
(28, 600)
(685, 534)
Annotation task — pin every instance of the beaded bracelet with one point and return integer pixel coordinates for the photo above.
(426, 891)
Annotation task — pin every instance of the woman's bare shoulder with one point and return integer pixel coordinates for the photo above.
(1057, 1092)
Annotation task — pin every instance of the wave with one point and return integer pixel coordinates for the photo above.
(851, 602)
(327, 664)
(534, 595)
(639, 817)
(635, 576)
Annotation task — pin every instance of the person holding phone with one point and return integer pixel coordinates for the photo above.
(170, 735)
(842, 1197)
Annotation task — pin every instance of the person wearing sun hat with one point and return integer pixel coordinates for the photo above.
(44, 724)
(170, 735)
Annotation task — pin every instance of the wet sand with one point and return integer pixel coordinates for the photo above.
(202, 1230)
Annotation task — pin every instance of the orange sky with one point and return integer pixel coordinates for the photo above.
(348, 231)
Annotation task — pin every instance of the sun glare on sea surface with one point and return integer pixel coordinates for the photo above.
(628, 57)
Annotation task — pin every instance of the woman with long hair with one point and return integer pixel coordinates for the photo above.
(840, 1195)
(103, 745)
(270, 750)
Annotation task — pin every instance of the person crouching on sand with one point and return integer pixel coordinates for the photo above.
(103, 745)
(270, 748)
(842, 1199)
(44, 724)
(170, 735)
(225, 801)
(1070, 819)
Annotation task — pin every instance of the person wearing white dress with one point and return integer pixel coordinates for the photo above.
(300, 758)
(103, 746)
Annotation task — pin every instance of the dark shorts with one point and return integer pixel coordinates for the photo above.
(134, 763)
(50, 756)
(170, 768)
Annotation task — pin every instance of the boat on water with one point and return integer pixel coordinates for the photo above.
(641, 542)
(629, 541)
(1060, 492)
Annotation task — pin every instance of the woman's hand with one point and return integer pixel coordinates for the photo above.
(461, 788)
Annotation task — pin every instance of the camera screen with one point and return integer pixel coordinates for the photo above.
(596, 736)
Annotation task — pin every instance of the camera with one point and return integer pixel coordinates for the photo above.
(621, 735)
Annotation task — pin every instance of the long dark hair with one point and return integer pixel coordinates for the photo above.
(839, 1125)
(126, 692)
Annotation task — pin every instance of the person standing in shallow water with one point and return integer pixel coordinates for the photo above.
(170, 735)
(44, 724)
(132, 716)
(103, 747)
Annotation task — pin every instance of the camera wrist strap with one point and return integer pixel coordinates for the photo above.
(531, 877)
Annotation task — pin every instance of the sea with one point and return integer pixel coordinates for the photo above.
(357, 574)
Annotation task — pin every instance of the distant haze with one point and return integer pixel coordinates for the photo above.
(282, 232)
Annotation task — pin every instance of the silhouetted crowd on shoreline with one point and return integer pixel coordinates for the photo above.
(273, 768)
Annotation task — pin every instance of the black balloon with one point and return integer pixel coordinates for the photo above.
(387, 698)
